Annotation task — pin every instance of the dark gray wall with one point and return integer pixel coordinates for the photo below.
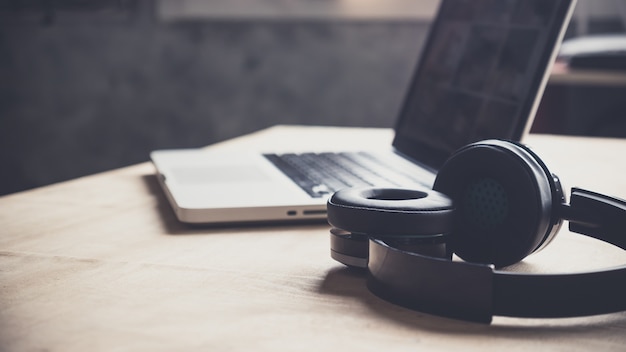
(86, 91)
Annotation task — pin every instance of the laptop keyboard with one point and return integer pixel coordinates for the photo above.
(321, 174)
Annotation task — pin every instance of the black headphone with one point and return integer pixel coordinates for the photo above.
(493, 203)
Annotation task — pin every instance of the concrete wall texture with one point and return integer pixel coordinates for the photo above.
(82, 94)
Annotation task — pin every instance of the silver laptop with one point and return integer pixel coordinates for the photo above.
(481, 75)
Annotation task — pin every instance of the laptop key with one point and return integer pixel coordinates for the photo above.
(312, 187)
(322, 174)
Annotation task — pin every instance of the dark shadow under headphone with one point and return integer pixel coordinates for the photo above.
(493, 203)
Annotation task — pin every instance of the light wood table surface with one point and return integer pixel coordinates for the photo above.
(100, 264)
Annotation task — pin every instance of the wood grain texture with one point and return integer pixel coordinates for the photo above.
(100, 263)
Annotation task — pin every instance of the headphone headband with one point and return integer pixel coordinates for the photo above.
(597, 215)
(477, 292)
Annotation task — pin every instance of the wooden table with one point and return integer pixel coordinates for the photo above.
(100, 263)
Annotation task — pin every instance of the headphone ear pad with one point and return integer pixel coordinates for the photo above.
(390, 211)
(503, 201)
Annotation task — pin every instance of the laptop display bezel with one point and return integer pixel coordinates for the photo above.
(422, 152)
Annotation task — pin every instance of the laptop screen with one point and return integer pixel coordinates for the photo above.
(481, 74)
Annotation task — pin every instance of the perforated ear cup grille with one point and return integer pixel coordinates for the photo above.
(486, 203)
(503, 198)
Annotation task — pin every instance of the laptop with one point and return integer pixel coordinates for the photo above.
(481, 75)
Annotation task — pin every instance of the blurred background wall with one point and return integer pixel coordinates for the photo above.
(87, 86)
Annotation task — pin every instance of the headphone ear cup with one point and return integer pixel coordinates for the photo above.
(391, 212)
(503, 201)
(417, 221)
